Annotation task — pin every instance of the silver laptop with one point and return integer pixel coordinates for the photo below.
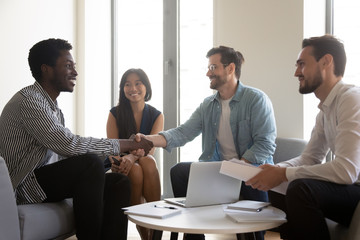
(207, 186)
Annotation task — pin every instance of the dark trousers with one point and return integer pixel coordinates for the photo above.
(308, 202)
(97, 197)
(179, 180)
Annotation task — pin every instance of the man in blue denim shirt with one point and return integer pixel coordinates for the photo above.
(236, 122)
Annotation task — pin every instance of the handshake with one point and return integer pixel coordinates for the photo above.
(135, 143)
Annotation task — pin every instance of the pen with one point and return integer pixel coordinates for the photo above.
(260, 209)
(159, 206)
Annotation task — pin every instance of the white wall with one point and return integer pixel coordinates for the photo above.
(314, 25)
(22, 24)
(86, 25)
(269, 35)
(94, 87)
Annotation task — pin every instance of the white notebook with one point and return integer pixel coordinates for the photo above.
(161, 210)
(268, 214)
(249, 205)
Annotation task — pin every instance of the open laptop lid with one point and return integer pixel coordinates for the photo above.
(207, 186)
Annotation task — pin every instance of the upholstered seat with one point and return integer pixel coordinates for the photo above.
(288, 148)
(32, 221)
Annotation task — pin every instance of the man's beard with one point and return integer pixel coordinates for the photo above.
(217, 82)
(311, 86)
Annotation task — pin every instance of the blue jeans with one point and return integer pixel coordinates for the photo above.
(179, 175)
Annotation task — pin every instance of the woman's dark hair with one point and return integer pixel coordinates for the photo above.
(328, 44)
(228, 55)
(125, 120)
(46, 52)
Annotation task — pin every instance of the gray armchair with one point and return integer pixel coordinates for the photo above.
(288, 148)
(32, 221)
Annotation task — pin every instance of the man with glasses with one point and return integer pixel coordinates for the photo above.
(236, 122)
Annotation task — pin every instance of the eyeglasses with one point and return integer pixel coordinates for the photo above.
(212, 67)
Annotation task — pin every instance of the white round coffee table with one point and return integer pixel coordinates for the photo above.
(202, 220)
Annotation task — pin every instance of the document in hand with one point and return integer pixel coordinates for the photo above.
(153, 210)
(244, 171)
(248, 205)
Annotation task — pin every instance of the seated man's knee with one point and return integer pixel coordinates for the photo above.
(174, 170)
(91, 159)
(179, 175)
(296, 186)
(118, 180)
(180, 170)
(117, 186)
(299, 190)
(89, 163)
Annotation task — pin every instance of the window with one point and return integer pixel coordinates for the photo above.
(169, 42)
(343, 21)
(196, 38)
(139, 44)
(346, 26)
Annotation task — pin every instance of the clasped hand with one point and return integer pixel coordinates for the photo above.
(140, 142)
(138, 146)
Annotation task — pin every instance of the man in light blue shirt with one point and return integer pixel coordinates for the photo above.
(236, 122)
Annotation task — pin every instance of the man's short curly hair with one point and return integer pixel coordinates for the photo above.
(45, 52)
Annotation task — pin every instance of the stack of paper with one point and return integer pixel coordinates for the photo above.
(153, 210)
(267, 215)
(254, 211)
(248, 205)
(244, 171)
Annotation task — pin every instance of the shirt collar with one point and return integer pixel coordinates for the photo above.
(52, 103)
(331, 96)
(237, 95)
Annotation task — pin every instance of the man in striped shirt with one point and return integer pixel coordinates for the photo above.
(48, 163)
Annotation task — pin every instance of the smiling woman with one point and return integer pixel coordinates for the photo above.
(132, 115)
(176, 66)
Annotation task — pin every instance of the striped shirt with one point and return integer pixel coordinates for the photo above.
(32, 128)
